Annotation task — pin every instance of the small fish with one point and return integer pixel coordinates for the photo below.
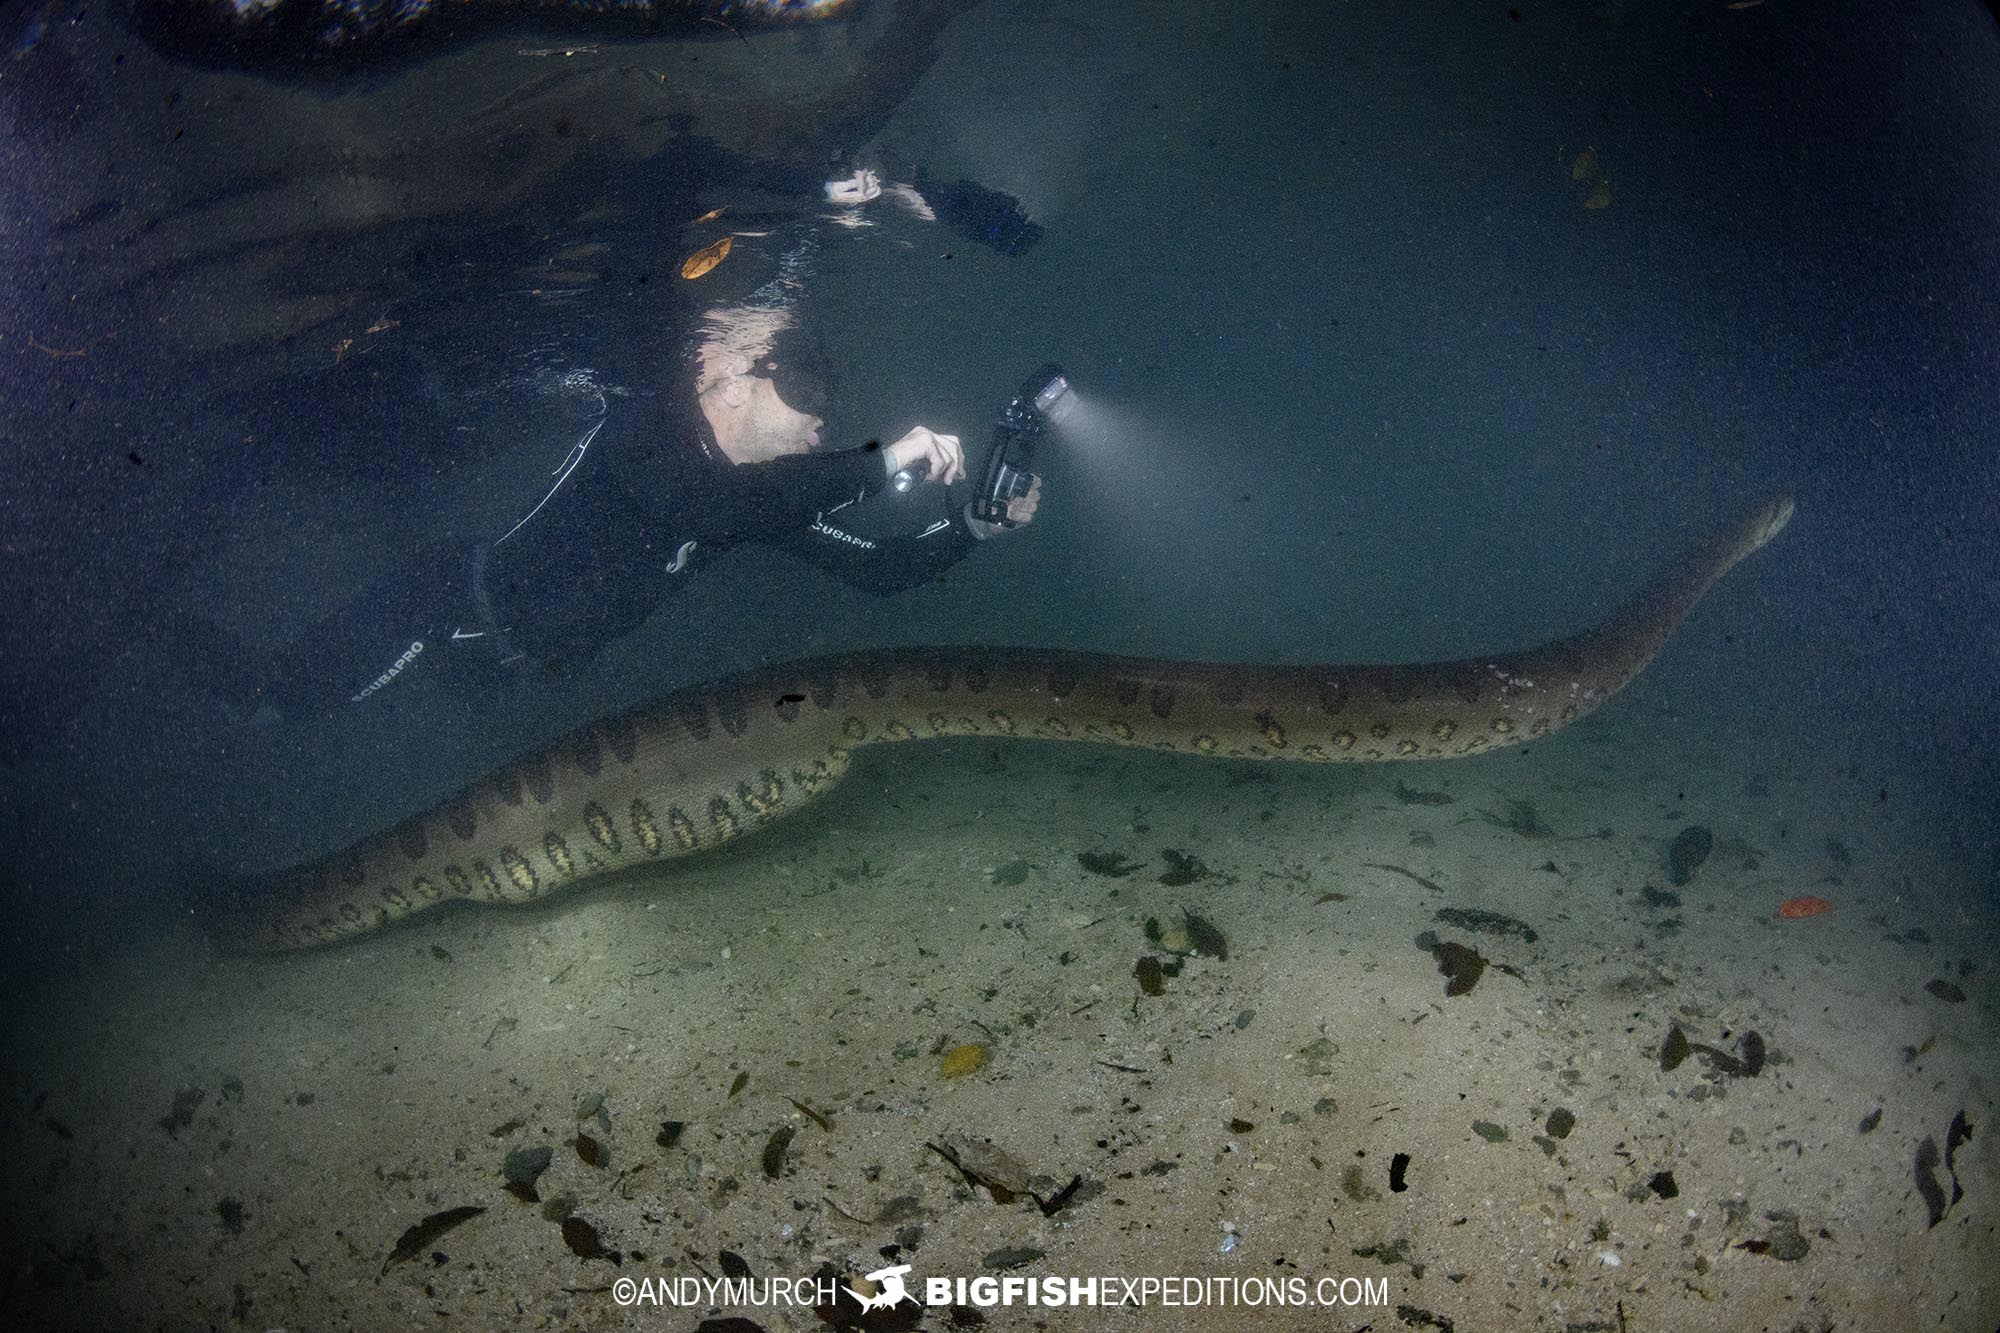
(811, 1114)
(710, 216)
(383, 325)
(1793, 909)
(701, 261)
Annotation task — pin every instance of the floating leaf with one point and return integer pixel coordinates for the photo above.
(701, 261)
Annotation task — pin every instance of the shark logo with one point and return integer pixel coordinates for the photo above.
(889, 1288)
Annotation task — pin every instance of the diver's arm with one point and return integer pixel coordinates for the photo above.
(760, 501)
(749, 501)
(883, 565)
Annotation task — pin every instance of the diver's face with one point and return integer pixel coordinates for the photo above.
(775, 425)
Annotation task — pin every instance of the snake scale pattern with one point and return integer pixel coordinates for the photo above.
(713, 762)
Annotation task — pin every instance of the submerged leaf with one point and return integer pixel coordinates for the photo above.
(420, 1237)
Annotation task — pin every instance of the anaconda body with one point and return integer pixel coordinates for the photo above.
(710, 763)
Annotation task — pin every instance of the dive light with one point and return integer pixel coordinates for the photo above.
(1043, 399)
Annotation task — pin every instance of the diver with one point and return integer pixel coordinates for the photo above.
(649, 495)
(651, 480)
(649, 490)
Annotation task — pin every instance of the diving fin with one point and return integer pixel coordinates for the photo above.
(991, 217)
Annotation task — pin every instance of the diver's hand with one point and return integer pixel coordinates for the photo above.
(1021, 509)
(859, 188)
(1020, 512)
(943, 452)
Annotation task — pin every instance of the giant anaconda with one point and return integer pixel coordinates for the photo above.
(714, 761)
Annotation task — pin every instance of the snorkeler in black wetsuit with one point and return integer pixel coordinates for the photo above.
(645, 498)
(649, 492)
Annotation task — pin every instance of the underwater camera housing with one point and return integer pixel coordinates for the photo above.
(1043, 399)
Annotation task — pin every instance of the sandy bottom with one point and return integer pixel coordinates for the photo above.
(1242, 1124)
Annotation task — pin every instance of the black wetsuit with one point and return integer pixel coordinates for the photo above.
(645, 501)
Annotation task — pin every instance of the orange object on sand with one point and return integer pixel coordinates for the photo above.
(1794, 908)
